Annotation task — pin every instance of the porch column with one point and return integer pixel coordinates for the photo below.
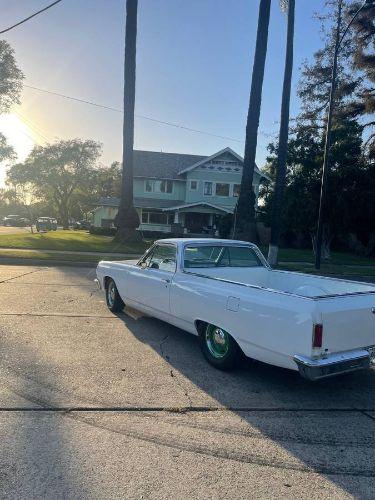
(210, 219)
(176, 217)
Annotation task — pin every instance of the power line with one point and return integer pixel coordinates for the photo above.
(117, 110)
(143, 117)
(30, 17)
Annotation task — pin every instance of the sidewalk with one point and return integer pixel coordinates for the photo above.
(69, 252)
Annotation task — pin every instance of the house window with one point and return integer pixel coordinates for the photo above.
(156, 186)
(207, 188)
(155, 217)
(236, 190)
(222, 189)
(193, 185)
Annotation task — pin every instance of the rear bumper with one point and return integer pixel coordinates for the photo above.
(335, 364)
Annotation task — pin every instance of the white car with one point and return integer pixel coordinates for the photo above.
(225, 292)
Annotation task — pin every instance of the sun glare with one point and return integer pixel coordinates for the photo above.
(19, 136)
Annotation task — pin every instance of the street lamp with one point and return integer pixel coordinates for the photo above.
(327, 147)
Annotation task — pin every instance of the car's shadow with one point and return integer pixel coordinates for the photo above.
(327, 425)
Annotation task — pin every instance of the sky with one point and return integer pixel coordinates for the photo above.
(194, 64)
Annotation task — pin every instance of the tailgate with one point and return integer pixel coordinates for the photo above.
(348, 322)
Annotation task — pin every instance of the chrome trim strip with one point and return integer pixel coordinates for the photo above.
(314, 369)
(332, 359)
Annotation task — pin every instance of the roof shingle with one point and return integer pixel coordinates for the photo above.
(162, 165)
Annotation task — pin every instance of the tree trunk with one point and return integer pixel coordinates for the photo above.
(245, 227)
(127, 219)
(283, 142)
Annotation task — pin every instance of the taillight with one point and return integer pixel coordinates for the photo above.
(317, 340)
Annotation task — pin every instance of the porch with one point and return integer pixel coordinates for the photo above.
(197, 219)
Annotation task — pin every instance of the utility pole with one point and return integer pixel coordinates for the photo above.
(327, 149)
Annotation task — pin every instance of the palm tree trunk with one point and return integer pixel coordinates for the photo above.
(245, 227)
(127, 219)
(283, 141)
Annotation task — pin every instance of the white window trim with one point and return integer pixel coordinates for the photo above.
(194, 180)
(232, 188)
(153, 190)
(212, 190)
(148, 210)
(229, 190)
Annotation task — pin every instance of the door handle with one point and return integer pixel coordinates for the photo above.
(166, 280)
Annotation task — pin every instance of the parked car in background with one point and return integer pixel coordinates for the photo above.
(15, 221)
(54, 224)
(225, 292)
(81, 224)
(44, 224)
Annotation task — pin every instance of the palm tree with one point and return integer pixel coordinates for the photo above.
(289, 6)
(245, 227)
(127, 219)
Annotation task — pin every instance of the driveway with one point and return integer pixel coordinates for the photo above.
(95, 406)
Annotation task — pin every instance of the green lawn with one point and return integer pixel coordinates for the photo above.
(77, 241)
(307, 256)
(344, 264)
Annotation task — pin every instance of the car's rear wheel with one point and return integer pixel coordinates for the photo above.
(114, 301)
(218, 347)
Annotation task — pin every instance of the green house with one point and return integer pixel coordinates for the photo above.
(181, 193)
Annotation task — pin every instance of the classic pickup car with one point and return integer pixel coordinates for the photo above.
(224, 292)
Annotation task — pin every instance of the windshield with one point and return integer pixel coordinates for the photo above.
(203, 256)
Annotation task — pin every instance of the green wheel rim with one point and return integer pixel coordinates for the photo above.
(217, 341)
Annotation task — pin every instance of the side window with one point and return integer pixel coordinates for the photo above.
(243, 257)
(163, 258)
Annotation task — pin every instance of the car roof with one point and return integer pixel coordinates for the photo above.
(206, 241)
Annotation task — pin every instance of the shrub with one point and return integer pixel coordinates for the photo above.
(103, 231)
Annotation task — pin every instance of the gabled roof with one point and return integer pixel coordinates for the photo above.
(158, 165)
(162, 165)
(215, 155)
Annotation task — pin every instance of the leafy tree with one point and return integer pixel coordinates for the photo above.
(6, 151)
(103, 182)
(10, 90)
(57, 172)
(245, 218)
(363, 103)
(11, 78)
(351, 170)
(355, 93)
(283, 136)
(351, 189)
(127, 219)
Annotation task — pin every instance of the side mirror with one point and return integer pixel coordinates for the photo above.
(143, 265)
(154, 265)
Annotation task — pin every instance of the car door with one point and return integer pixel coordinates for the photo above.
(149, 282)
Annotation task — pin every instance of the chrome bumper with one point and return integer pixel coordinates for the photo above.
(97, 283)
(335, 364)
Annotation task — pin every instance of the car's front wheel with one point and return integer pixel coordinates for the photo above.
(114, 301)
(218, 347)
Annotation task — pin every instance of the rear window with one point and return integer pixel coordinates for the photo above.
(204, 256)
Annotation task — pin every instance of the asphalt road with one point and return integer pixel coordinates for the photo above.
(96, 406)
